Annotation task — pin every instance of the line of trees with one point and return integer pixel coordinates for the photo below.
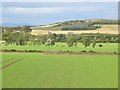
(82, 26)
(16, 35)
(107, 22)
(22, 36)
(88, 39)
(86, 25)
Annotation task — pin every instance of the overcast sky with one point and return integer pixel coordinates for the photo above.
(41, 13)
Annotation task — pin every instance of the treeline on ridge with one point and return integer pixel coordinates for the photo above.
(86, 25)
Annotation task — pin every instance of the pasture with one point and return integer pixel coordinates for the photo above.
(107, 47)
(34, 70)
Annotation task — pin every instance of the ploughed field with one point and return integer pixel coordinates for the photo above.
(34, 70)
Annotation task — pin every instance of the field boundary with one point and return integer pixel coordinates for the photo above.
(62, 52)
(80, 53)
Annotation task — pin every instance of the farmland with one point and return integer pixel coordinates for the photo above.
(107, 47)
(70, 54)
(59, 71)
(109, 29)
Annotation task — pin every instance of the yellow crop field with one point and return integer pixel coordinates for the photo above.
(105, 29)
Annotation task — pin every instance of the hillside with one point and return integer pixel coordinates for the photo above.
(79, 26)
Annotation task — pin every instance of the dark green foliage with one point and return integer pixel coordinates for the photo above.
(107, 22)
(51, 36)
(91, 51)
(60, 38)
(22, 36)
(84, 51)
(84, 24)
(100, 45)
(16, 35)
(81, 26)
(72, 39)
(94, 41)
(86, 41)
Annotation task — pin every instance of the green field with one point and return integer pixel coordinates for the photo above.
(60, 71)
(107, 47)
(38, 70)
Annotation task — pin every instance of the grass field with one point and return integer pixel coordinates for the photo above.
(35, 70)
(59, 71)
(107, 47)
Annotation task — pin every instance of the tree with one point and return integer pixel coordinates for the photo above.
(26, 30)
(60, 38)
(43, 39)
(94, 42)
(71, 39)
(51, 36)
(86, 41)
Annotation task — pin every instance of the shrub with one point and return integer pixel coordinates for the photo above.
(67, 51)
(12, 50)
(31, 50)
(92, 51)
(115, 52)
(84, 51)
(100, 45)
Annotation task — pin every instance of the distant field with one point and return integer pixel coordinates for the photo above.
(107, 47)
(59, 71)
(106, 29)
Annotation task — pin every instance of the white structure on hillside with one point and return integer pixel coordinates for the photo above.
(49, 41)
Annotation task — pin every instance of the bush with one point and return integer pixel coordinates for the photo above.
(100, 45)
(19, 50)
(84, 51)
(39, 51)
(32, 50)
(115, 52)
(5, 50)
(92, 51)
(67, 51)
(12, 50)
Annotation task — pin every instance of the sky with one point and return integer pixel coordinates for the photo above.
(44, 13)
(60, 0)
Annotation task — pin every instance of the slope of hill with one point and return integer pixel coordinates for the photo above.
(79, 26)
(76, 25)
(105, 29)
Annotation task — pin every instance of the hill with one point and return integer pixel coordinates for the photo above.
(79, 26)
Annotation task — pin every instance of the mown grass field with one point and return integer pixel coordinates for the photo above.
(107, 47)
(59, 71)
